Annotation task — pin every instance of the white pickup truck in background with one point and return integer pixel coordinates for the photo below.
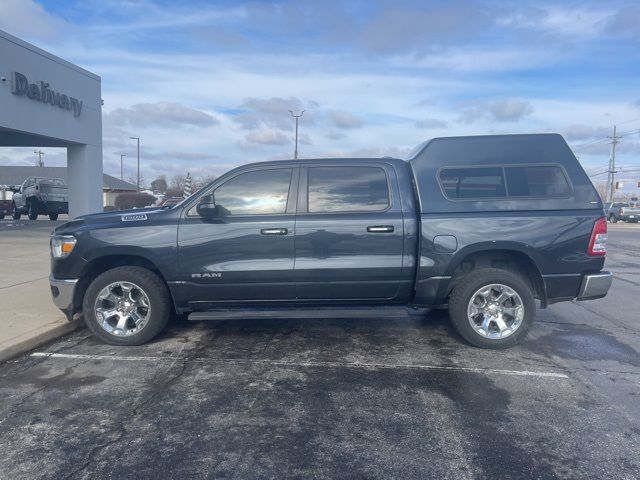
(40, 196)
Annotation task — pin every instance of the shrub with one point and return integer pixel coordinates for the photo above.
(126, 201)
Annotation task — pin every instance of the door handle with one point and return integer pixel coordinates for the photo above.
(380, 229)
(274, 231)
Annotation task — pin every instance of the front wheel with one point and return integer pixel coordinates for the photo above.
(492, 308)
(53, 216)
(126, 306)
(15, 213)
(613, 219)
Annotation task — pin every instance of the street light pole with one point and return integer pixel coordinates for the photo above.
(295, 152)
(138, 139)
(121, 166)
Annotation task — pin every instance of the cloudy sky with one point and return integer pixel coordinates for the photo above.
(208, 85)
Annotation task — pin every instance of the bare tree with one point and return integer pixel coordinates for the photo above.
(601, 188)
(159, 185)
(134, 179)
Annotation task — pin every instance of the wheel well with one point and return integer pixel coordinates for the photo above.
(102, 264)
(512, 260)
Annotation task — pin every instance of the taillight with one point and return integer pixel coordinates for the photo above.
(598, 240)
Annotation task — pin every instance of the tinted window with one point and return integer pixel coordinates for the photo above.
(347, 189)
(255, 193)
(535, 181)
(473, 182)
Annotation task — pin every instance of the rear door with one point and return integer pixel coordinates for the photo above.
(246, 253)
(349, 233)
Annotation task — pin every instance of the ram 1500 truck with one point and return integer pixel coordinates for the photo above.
(482, 225)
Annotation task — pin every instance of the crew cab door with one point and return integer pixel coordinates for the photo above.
(246, 252)
(349, 234)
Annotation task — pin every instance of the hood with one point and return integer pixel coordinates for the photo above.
(136, 216)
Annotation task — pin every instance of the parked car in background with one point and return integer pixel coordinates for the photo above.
(622, 211)
(5, 208)
(40, 196)
(170, 201)
(482, 225)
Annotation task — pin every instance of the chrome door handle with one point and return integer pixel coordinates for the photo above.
(274, 231)
(380, 229)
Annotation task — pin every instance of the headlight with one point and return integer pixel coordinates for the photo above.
(62, 245)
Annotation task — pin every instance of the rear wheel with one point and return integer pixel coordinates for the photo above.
(126, 306)
(15, 214)
(492, 308)
(53, 216)
(33, 213)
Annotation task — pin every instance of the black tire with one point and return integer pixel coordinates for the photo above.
(53, 216)
(466, 288)
(33, 213)
(15, 214)
(613, 219)
(153, 286)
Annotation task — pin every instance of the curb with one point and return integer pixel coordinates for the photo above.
(45, 335)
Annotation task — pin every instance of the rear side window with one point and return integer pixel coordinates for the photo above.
(503, 182)
(476, 182)
(347, 189)
(534, 181)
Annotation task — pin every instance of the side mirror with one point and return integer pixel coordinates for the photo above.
(206, 207)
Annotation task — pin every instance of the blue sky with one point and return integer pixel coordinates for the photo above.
(208, 85)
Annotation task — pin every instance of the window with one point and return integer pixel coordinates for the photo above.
(347, 189)
(260, 192)
(489, 182)
(476, 182)
(536, 181)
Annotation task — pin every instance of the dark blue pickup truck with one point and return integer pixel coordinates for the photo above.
(483, 226)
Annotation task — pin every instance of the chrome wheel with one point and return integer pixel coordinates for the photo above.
(495, 311)
(122, 308)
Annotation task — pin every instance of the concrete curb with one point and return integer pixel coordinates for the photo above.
(44, 335)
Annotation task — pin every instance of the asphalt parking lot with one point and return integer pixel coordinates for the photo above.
(338, 398)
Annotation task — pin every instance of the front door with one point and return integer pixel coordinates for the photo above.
(246, 252)
(349, 234)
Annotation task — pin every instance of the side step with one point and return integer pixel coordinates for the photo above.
(394, 312)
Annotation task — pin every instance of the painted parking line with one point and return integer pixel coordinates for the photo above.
(284, 363)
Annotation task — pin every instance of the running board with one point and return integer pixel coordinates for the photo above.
(307, 313)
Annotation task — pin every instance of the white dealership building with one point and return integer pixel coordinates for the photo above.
(46, 101)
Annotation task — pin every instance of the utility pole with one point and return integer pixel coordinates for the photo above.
(138, 139)
(40, 162)
(295, 152)
(122, 155)
(612, 164)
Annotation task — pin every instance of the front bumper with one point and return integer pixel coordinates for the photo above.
(595, 285)
(62, 292)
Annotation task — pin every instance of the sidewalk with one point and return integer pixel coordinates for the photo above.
(29, 317)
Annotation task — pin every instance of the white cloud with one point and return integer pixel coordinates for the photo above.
(25, 18)
(342, 119)
(501, 110)
(267, 137)
(164, 114)
(430, 123)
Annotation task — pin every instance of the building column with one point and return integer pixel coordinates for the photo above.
(84, 178)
